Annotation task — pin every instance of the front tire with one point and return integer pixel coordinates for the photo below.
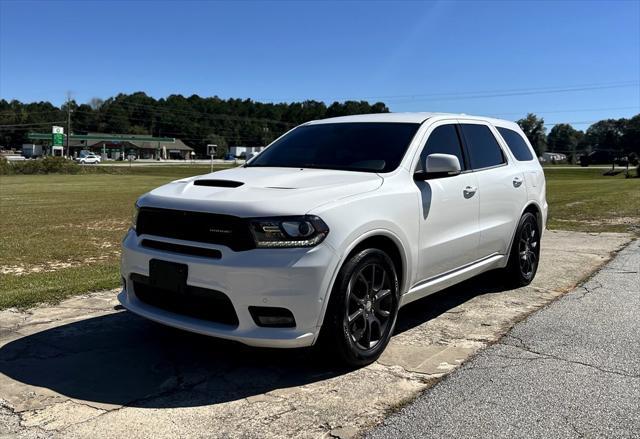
(525, 253)
(363, 309)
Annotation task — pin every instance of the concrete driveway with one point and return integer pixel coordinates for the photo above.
(86, 368)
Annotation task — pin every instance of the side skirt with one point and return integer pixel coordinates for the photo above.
(445, 280)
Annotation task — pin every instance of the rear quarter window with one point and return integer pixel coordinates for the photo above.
(516, 144)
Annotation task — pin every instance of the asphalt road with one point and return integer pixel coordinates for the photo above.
(571, 370)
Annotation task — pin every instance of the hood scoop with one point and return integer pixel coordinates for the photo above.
(217, 183)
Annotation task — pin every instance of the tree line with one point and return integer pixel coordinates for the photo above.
(200, 121)
(619, 136)
(195, 120)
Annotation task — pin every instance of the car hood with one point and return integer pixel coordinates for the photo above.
(261, 191)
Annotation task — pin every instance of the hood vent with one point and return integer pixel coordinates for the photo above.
(217, 183)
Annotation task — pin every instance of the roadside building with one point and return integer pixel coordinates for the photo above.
(135, 146)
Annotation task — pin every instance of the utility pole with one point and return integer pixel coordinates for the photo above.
(68, 121)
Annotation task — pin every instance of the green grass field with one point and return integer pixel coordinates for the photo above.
(61, 233)
(585, 200)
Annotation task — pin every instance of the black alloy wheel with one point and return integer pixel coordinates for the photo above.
(369, 306)
(362, 310)
(529, 249)
(525, 253)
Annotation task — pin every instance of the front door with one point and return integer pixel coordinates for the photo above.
(449, 214)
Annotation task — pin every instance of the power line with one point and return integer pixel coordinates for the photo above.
(428, 96)
(31, 124)
(581, 122)
(17, 111)
(222, 131)
(201, 113)
(408, 97)
(525, 90)
(521, 93)
(582, 110)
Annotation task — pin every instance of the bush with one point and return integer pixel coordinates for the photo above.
(4, 166)
(47, 165)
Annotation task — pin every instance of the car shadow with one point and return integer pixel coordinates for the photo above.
(123, 359)
(430, 307)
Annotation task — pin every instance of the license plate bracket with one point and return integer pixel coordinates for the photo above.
(168, 275)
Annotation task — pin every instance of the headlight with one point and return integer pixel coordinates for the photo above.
(298, 231)
(134, 218)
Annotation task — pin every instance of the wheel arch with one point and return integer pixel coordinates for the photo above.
(533, 208)
(383, 239)
(389, 246)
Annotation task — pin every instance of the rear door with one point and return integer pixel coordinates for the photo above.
(501, 189)
(449, 213)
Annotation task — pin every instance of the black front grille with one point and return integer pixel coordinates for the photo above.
(211, 228)
(200, 303)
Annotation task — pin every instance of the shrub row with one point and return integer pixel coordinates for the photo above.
(47, 165)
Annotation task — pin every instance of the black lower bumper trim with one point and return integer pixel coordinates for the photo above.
(196, 302)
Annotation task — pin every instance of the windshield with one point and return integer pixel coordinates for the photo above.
(362, 146)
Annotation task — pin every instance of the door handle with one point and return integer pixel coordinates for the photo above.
(517, 181)
(469, 191)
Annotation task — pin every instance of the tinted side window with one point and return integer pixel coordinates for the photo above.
(442, 140)
(516, 144)
(483, 147)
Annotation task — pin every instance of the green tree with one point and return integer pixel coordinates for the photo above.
(631, 136)
(564, 139)
(605, 135)
(533, 128)
(116, 119)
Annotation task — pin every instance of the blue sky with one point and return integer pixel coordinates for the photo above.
(415, 56)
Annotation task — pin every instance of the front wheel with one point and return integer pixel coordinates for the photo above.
(525, 252)
(362, 309)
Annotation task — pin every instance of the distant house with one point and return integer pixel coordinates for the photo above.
(553, 157)
(104, 144)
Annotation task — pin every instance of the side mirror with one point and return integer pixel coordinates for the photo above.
(439, 165)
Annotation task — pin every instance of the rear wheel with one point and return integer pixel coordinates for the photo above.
(525, 252)
(362, 309)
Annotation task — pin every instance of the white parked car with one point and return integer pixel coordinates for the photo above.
(89, 159)
(322, 237)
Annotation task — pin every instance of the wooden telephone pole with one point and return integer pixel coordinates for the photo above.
(68, 122)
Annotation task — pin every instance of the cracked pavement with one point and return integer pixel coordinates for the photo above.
(571, 370)
(87, 368)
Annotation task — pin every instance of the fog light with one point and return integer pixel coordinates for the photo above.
(270, 317)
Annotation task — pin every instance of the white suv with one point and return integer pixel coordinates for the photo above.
(324, 235)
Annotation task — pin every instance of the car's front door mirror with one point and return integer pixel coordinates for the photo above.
(439, 165)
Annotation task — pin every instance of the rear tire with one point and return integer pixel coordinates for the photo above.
(362, 310)
(525, 253)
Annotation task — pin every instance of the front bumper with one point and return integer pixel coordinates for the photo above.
(296, 279)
